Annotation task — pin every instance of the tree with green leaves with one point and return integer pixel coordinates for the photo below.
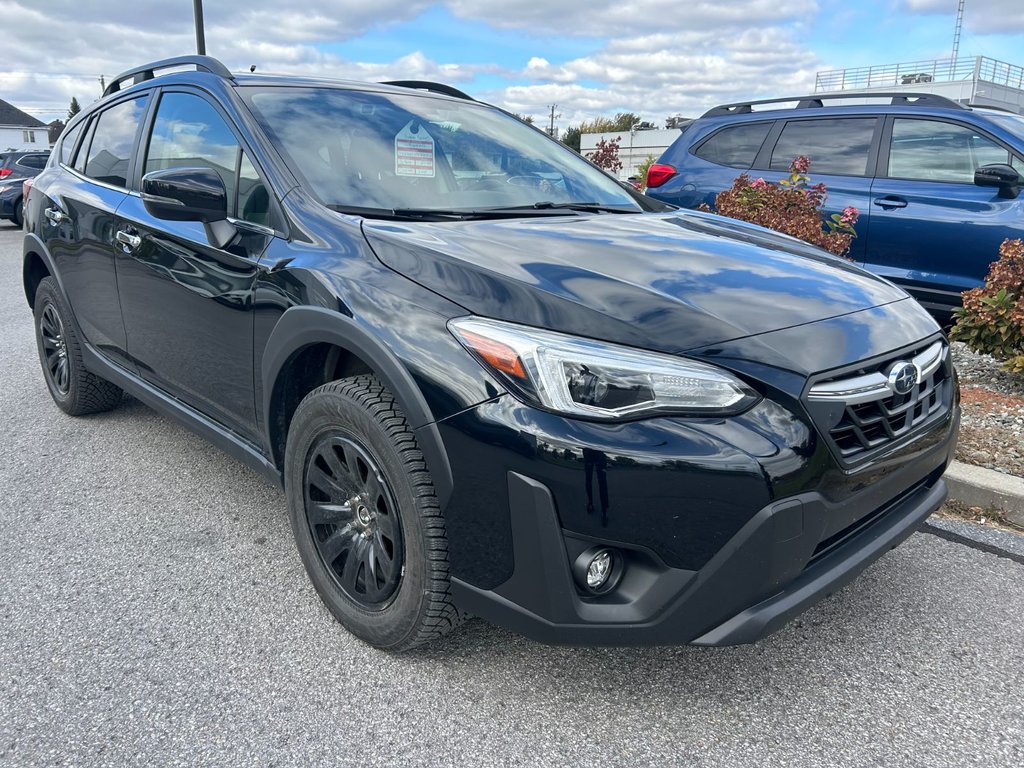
(525, 118)
(74, 108)
(571, 137)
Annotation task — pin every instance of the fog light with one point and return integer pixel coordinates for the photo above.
(598, 570)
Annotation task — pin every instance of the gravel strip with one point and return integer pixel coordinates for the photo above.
(984, 371)
(992, 404)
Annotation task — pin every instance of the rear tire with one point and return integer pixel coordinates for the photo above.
(75, 390)
(365, 516)
(19, 212)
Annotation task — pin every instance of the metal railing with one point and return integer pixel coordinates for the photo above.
(914, 72)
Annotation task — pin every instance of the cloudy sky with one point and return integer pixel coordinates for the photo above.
(590, 57)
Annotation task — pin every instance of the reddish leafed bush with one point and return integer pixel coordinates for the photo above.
(792, 206)
(991, 320)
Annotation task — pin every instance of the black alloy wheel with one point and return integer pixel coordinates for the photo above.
(366, 518)
(354, 521)
(75, 389)
(55, 351)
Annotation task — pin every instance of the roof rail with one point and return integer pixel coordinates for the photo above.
(817, 101)
(148, 71)
(426, 85)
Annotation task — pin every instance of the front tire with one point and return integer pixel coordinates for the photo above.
(75, 390)
(365, 516)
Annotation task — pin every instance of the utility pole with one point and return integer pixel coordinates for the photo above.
(103, 84)
(197, 7)
(551, 123)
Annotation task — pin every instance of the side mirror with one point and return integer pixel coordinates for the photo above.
(190, 194)
(1000, 175)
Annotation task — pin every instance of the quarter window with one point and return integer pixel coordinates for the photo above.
(735, 146)
(932, 150)
(188, 133)
(837, 146)
(67, 143)
(113, 141)
(253, 198)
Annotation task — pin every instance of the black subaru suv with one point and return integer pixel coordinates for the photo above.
(489, 379)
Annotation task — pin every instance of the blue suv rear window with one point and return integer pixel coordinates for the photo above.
(735, 146)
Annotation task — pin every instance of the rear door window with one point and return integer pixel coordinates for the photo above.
(934, 150)
(113, 141)
(735, 146)
(839, 146)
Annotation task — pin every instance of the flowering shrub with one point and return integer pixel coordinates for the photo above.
(606, 155)
(991, 320)
(792, 206)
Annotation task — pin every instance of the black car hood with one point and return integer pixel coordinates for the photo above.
(667, 281)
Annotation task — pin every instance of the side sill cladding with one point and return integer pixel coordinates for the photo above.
(301, 327)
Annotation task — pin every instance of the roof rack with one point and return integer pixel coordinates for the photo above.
(426, 85)
(817, 102)
(148, 71)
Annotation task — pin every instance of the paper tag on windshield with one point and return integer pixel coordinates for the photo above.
(414, 152)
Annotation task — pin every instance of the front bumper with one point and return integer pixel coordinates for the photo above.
(745, 578)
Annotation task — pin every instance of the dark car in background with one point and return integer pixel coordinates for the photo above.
(489, 378)
(937, 183)
(15, 167)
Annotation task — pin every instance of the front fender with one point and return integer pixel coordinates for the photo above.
(301, 327)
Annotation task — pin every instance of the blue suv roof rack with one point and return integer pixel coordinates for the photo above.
(148, 71)
(426, 85)
(817, 102)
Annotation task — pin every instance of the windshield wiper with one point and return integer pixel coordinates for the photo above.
(548, 205)
(441, 214)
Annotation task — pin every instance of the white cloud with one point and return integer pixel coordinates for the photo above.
(661, 56)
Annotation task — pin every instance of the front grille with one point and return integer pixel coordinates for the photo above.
(861, 414)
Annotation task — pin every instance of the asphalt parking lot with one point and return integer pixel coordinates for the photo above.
(153, 610)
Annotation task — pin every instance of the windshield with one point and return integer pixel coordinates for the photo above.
(365, 150)
(1012, 123)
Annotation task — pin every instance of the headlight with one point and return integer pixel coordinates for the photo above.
(593, 379)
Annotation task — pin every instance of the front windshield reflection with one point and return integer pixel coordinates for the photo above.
(361, 149)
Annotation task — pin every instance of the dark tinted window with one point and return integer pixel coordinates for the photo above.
(34, 161)
(112, 142)
(932, 150)
(838, 146)
(735, 146)
(83, 149)
(189, 133)
(67, 143)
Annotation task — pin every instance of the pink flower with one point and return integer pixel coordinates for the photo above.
(758, 184)
(802, 164)
(849, 215)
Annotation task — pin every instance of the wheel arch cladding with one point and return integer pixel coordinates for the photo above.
(36, 266)
(298, 340)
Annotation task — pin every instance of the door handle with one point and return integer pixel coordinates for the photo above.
(56, 216)
(891, 202)
(127, 238)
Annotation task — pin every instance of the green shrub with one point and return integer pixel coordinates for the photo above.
(991, 320)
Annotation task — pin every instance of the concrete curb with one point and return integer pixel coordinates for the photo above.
(980, 487)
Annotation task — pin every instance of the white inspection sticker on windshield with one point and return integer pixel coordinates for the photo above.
(414, 151)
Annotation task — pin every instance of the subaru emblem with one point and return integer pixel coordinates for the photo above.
(903, 377)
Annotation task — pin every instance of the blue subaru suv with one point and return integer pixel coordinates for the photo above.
(936, 182)
(488, 378)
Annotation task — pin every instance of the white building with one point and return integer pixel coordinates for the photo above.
(21, 131)
(980, 81)
(634, 146)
